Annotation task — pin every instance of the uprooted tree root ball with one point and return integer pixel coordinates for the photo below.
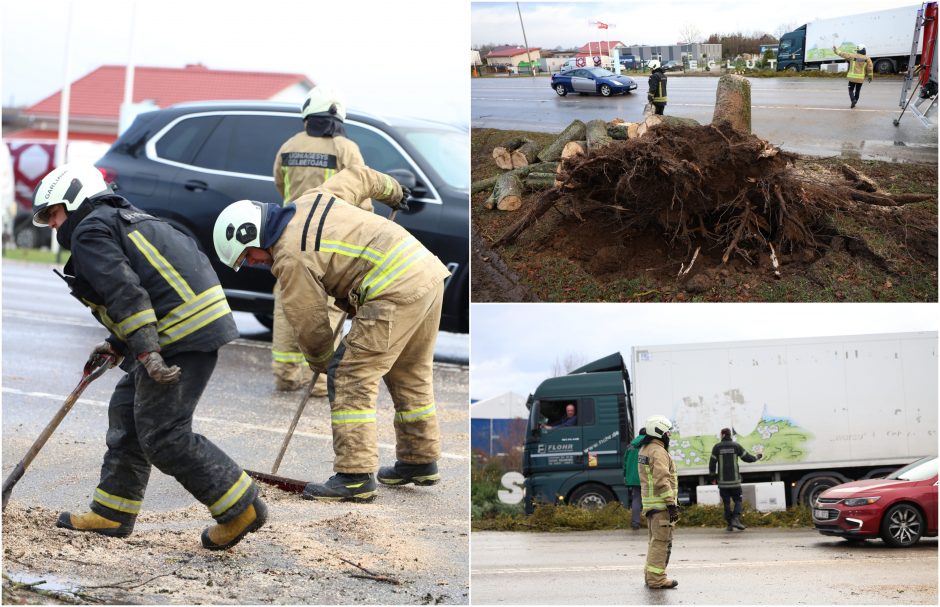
(717, 187)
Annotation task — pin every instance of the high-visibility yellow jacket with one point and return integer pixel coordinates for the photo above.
(860, 66)
(330, 247)
(305, 162)
(659, 484)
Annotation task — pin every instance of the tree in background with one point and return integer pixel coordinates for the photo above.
(736, 44)
(567, 364)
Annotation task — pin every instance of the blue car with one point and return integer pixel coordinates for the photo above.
(592, 80)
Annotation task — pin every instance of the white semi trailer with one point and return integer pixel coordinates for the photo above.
(823, 411)
(887, 36)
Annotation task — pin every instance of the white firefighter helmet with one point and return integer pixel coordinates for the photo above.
(70, 184)
(323, 100)
(860, 47)
(238, 227)
(657, 426)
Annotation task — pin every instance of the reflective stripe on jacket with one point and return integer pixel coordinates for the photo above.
(860, 66)
(659, 484)
(657, 82)
(330, 247)
(147, 282)
(724, 462)
(305, 162)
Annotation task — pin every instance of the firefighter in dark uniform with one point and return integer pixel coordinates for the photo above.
(657, 90)
(723, 466)
(156, 293)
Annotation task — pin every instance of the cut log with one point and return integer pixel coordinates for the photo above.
(859, 180)
(490, 203)
(490, 182)
(632, 130)
(596, 134)
(502, 157)
(678, 120)
(573, 132)
(540, 181)
(733, 102)
(574, 148)
(525, 154)
(508, 192)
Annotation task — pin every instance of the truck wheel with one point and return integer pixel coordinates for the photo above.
(813, 487)
(791, 67)
(591, 496)
(884, 66)
(902, 526)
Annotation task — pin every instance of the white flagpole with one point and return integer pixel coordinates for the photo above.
(64, 101)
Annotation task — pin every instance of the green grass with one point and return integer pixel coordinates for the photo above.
(38, 255)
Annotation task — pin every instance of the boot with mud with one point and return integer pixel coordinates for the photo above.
(422, 475)
(343, 488)
(665, 586)
(94, 522)
(225, 535)
(737, 524)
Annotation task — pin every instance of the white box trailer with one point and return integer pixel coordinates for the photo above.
(886, 34)
(823, 411)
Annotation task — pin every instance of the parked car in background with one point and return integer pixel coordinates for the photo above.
(673, 66)
(592, 80)
(630, 62)
(900, 508)
(188, 162)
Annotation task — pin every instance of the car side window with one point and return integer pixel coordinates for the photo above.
(183, 141)
(376, 150)
(247, 143)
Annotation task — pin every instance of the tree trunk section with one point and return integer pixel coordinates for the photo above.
(733, 102)
(525, 154)
(618, 131)
(508, 192)
(502, 157)
(574, 148)
(596, 134)
(573, 132)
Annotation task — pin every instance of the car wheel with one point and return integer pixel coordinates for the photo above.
(902, 525)
(561, 90)
(591, 496)
(266, 319)
(605, 90)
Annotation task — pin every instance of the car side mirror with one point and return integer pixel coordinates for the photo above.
(404, 177)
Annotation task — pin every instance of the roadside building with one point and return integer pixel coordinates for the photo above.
(512, 57)
(699, 52)
(497, 425)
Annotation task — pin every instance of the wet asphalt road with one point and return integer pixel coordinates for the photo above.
(756, 567)
(46, 338)
(803, 115)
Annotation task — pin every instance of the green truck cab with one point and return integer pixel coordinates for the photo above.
(581, 463)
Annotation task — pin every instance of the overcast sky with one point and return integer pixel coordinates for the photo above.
(550, 24)
(399, 57)
(513, 347)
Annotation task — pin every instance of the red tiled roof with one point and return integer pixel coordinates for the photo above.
(511, 52)
(30, 134)
(99, 94)
(604, 45)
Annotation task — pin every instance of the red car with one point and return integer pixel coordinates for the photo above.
(900, 508)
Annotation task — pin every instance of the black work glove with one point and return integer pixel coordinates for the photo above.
(673, 513)
(402, 205)
(760, 456)
(157, 369)
(869, 80)
(649, 97)
(103, 354)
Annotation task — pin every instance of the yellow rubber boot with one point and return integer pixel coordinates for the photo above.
(91, 521)
(225, 535)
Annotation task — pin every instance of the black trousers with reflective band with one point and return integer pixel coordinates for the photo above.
(150, 424)
(855, 89)
(727, 495)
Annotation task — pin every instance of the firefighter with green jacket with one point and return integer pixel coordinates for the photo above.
(156, 293)
(631, 478)
(860, 67)
(659, 486)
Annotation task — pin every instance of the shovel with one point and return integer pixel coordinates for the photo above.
(88, 376)
(292, 485)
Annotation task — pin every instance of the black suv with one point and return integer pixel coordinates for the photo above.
(188, 162)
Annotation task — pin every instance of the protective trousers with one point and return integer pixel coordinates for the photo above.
(855, 89)
(394, 342)
(151, 424)
(660, 547)
(287, 361)
(727, 495)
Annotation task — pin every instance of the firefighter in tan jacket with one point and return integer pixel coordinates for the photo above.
(659, 487)
(860, 67)
(323, 246)
(302, 163)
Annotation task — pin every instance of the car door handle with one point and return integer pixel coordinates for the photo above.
(196, 186)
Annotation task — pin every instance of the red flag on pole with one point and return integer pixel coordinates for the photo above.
(601, 26)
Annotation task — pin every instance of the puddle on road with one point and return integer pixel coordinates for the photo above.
(26, 582)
